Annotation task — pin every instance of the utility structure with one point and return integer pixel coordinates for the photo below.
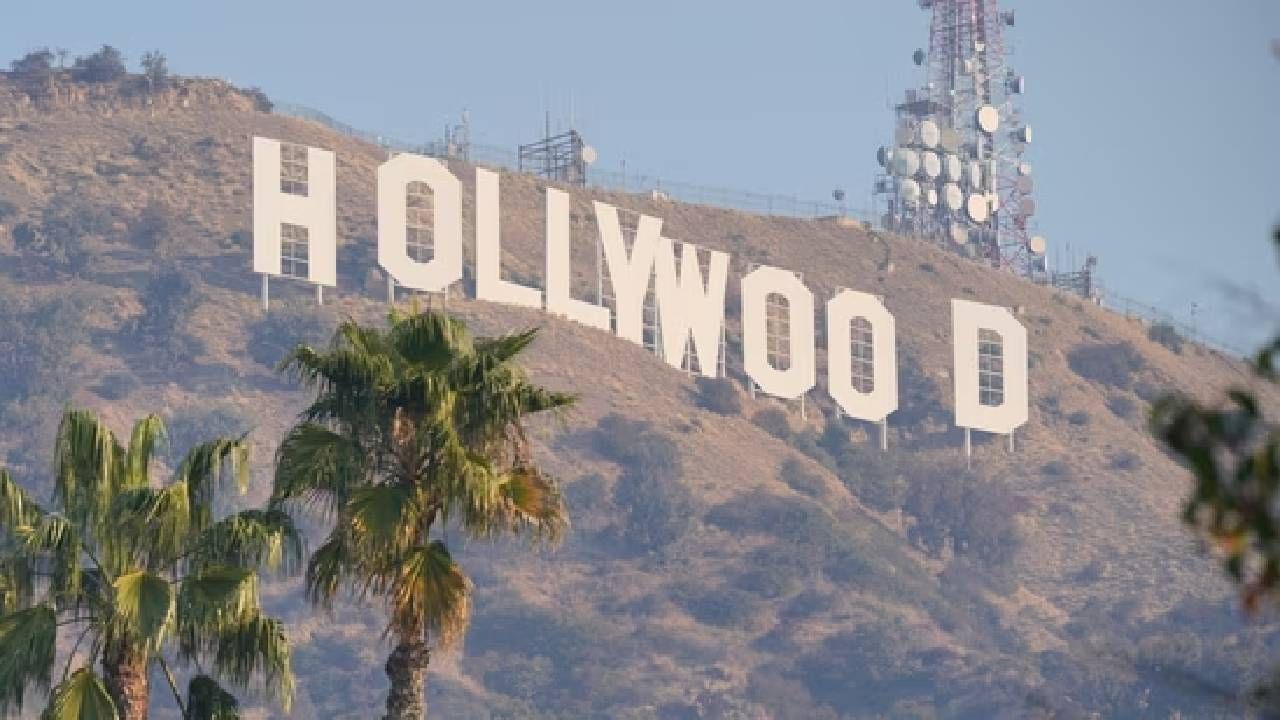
(956, 172)
(561, 158)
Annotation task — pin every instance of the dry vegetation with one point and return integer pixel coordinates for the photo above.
(717, 569)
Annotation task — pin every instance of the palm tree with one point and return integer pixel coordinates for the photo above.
(413, 427)
(136, 571)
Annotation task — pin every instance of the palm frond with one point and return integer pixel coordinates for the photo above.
(257, 647)
(207, 467)
(425, 585)
(206, 700)
(16, 506)
(87, 459)
(430, 341)
(265, 539)
(82, 697)
(383, 516)
(318, 466)
(208, 604)
(54, 542)
(144, 608)
(28, 647)
(332, 563)
(155, 523)
(147, 433)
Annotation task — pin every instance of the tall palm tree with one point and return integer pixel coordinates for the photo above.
(135, 572)
(414, 427)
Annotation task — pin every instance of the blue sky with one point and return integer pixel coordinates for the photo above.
(1157, 124)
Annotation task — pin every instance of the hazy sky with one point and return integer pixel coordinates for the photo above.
(1155, 123)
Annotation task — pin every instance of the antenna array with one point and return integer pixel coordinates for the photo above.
(956, 172)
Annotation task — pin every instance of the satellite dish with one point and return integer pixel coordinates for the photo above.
(931, 197)
(949, 139)
(930, 134)
(952, 168)
(1024, 168)
(1038, 245)
(1026, 207)
(988, 119)
(589, 155)
(975, 174)
(904, 135)
(959, 234)
(918, 57)
(906, 162)
(1026, 185)
(884, 156)
(909, 191)
(953, 197)
(931, 164)
(978, 207)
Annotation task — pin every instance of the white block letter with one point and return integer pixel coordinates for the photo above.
(445, 266)
(998, 402)
(628, 275)
(316, 211)
(687, 306)
(881, 398)
(797, 379)
(560, 298)
(489, 283)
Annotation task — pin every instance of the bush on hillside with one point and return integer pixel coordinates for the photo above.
(155, 69)
(152, 229)
(287, 324)
(1167, 335)
(1112, 365)
(719, 395)
(116, 385)
(774, 421)
(33, 71)
(38, 342)
(978, 516)
(650, 493)
(875, 477)
(197, 424)
(168, 301)
(1122, 406)
(801, 479)
(58, 238)
(104, 66)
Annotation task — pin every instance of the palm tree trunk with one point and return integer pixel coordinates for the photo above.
(124, 672)
(407, 670)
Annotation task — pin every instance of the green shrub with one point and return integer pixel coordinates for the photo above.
(802, 479)
(1167, 335)
(773, 421)
(116, 385)
(105, 65)
(1079, 418)
(1112, 365)
(875, 477)
(719, 395)
(978, 515)
(1122, 406)
(286, 325)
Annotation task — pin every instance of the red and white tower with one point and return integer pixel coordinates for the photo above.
(956, 172)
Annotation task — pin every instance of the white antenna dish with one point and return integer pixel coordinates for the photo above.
(988, 119)
(952, 168)
(930, 134)
(589, 155)
(906, 162)
(978, 207)
(909, 191)
(1024, 168)
(931, 197)
(1038, 245)
(959, 234)
(931, 164)
(953, 197)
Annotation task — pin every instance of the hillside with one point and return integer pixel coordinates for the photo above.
(720, 566)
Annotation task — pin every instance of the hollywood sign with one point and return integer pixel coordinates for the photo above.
(295, 201)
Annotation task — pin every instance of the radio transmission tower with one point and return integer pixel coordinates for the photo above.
(956, 172)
